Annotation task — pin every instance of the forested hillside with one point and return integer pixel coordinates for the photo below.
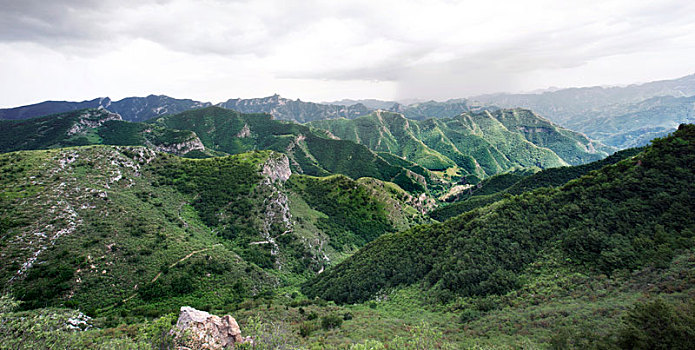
(635, 213)
(95, 126)
(310, 152)
(479, 144)
(499, 186)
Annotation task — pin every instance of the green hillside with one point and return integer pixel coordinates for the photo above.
(478, 144)
(215, 131)
(90, 127)
(628, 215)
(497, 187)
(310, 152)
(130, 231)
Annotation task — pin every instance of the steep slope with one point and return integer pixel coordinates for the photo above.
(631, 214)
(130, 108)
(94, 126)
(387, 132)
(497, 187)
(296, 110)
(480, 144)
(310, 152)
(111, 228)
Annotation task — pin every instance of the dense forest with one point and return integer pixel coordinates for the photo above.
(634, 213)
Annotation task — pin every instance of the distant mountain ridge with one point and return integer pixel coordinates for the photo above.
(132, 109)
(480, 144)
(297, 110)
(622, 117)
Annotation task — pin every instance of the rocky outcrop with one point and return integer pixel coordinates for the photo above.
(245, 131)
(422, 203)
(417, 177)
(277, 219)
(181, 148)
(299, 111)
(532, 129)
(201, 330)
(277, 168)
(92, 118)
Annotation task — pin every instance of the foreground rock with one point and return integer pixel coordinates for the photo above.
(197, 329)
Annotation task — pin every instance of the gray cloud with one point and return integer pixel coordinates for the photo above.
(432, 49)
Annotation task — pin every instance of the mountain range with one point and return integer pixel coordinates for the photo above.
(130, 108)
(215, 131)
(480, 144)
(358, 229)
(620, 117)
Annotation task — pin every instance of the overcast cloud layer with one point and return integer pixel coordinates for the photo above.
(328, 50)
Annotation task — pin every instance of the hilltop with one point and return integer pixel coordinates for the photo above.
(127, 229)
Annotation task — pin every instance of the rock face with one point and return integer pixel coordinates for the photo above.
(277, 168)
(181, 148)
(92, 118)
(206, 331)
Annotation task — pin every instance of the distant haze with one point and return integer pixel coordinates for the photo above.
(332, 50)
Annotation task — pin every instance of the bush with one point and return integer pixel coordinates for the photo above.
(469, 315)
(331, 321)
(306, 328)
(658, 325)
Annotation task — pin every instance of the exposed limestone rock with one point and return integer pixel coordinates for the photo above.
(332, 136)
(276, 214)
(92, 119)
(181, 148)
(201, 330)
(533, 129)
(417, 177)
(245, 131)
(277, 168)
(422, 203)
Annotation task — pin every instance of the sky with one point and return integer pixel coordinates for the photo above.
(213, 50)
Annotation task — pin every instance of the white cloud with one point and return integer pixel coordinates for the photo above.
(322, 50)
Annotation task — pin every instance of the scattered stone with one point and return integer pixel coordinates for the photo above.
(80, 322)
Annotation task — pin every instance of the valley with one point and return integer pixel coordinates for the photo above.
(358, 229)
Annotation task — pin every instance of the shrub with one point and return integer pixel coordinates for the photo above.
(331, 321)
(306, 328)
(469, 315)
(656, 324)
